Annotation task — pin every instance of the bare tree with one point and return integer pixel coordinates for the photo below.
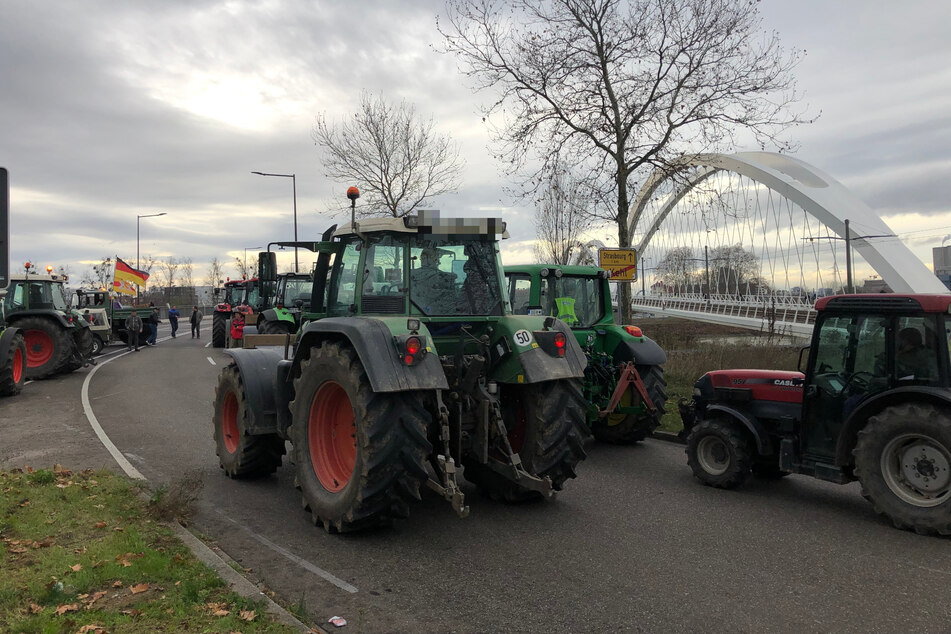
(396, 158)
(100, 275)
(167, 272)
(561, 217)
(186, 274)
(622, 87)
(677, 269)
(242, 267)
(733, 270)
(214, 273)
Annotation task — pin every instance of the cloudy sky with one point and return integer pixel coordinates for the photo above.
(111, 109)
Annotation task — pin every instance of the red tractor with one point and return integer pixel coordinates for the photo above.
(234, 291)
(873, 405)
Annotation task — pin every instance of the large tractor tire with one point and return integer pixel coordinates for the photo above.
(719, 453)
(627, 429)
(903, 460)
(219, 330)
(83, 344)
(239, 454)
(273, 327)
(48, 346)
(13, 366)
(546, 427)
(360, 455)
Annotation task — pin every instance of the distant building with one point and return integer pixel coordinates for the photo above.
(874, 286)
(941, 257)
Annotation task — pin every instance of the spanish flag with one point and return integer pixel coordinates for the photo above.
(126, 276)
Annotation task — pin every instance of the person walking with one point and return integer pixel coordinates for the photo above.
(154, 321)
(133, 328)
(173, 320)
(195, 321)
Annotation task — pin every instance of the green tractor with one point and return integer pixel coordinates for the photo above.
(282, 315)
(624, 379)
(58, 338)
(409, 366)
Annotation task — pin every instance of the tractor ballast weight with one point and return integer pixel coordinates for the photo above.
(873, 404)
(389, 385)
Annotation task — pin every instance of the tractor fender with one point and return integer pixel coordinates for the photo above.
(265, 396)
(373, 342)
(645, 352)
(268, 315)
(763, 444)
(940, 397)
(57, 316)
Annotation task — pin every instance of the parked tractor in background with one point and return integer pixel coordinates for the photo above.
(409, 365)
(12, 342)
(58, 339)
(236, 293)
(106, 317)
(873, 405)
(292, 297)
(624, 379)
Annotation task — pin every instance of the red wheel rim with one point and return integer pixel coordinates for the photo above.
(39, 348)
(17, 365)
(229, 422)
(332, 436)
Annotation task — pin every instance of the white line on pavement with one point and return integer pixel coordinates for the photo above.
(303, 563)
(130, 471)
(211, 361)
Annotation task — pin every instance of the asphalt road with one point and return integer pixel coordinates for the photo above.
(635, 543)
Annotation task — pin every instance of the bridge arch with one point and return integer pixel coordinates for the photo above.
(816, 192)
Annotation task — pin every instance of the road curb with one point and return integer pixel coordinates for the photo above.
(236, 581)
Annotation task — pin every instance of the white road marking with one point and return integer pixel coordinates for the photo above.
(208, 345)
(130, 471)
(303, 563)
(211, 361)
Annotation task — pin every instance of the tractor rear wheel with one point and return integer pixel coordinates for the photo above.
(903, 460)
(626, 429)
(219, 328)
(47, 346)
(719, 453)
(241, 455)
(546, 427)
(273, 327)
(13, 367)
(360, 455)
(83, 344)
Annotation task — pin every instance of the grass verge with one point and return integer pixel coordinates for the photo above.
(83, 553)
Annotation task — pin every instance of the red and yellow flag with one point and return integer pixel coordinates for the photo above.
(126, 276)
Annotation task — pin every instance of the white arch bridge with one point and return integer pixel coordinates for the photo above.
(751, 239)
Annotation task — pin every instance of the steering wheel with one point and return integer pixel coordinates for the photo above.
(859, 382)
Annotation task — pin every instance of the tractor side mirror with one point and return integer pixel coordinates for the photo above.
(802, 352)
(267, 266)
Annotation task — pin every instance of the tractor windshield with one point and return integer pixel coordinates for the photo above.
(297, 289)
(573, 299)
(453, 276)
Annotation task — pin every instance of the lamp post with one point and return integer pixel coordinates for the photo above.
(293, 178)
(137, 219)
(246, 258)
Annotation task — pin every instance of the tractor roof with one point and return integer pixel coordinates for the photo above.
(433, 225)
(886, 302)
(566, 269)
(20, 277)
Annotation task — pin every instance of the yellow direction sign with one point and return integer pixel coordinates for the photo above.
(620, 263)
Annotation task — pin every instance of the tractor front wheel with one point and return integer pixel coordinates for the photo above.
(903, 460)
(241, 455)
(719, 453)
(361, 455)
(97, 345)
(13, 366)
(219, 330)
(47, 346)
(546, 427)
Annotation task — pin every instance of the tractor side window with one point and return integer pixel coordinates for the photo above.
(383, 275)
(916, 357)
(520, 287)
(14, 299)
(344, 280)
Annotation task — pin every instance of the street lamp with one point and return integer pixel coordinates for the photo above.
(293, 178)
(137, 219)
(246, 258)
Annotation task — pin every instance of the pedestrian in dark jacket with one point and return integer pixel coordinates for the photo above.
(133, 328)
(173, 320)
(195, 321)
(153, 321)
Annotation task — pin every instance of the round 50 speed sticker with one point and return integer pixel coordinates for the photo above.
(522, 338)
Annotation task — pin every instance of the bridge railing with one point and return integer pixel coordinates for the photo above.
(778, 309)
